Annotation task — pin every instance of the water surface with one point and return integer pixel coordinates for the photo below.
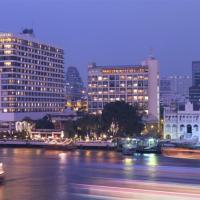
(34, 174)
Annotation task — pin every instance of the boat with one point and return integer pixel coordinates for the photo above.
(181, 150)
(2, 172)
(97, 144)
(140, 145)
(129, 146)
(148, 145)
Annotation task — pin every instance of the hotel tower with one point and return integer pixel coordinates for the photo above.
(31, 77)
(130, 83)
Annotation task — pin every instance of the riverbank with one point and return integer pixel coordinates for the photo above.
(100, 145)
(34, 144)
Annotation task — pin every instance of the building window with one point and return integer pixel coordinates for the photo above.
(189, 128)
(182, 127)
(168, 128)
(174, 128)
(181, 137)
(196, 127)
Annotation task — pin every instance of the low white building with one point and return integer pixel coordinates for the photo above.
(47, 134)
(182, 124)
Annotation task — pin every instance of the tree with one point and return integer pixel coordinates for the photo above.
(44, 123)
(88, 124)
(124, 118)
(70, 128)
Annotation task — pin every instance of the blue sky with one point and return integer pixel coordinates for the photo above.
(112, 31)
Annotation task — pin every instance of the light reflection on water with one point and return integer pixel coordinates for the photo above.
(63, 158)
(128, 162)
(152, 160)
(39, 174)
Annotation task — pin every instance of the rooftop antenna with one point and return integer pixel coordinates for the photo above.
(32, 25)
(151, 52)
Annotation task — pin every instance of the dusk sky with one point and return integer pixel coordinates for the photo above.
(112, 31)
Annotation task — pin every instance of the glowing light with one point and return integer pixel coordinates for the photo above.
(62, 157)
(152, 160)
(7, 63)
(7, 46)
(7, 52)
(104, 136)
(99, 78)
(128, 161)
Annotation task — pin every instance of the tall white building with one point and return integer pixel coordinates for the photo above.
(31, 77)
(132, 84)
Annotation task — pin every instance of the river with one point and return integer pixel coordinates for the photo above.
(36, 174)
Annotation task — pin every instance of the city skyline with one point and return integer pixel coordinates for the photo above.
(99, 99)
(167, 27)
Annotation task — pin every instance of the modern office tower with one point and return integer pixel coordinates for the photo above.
(31, 77)
(133, 84)
(174, 89)
(76, 97)
(165, 91)
(180, 84)
(194, 91)
(74, 84)
(196, 73)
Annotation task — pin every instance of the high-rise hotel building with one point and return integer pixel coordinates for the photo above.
(133, 84)
(31, 77)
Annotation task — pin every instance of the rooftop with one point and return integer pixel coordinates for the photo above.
(117, 66)
(27, 35)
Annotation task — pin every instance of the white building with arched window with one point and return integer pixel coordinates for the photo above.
(182, 124)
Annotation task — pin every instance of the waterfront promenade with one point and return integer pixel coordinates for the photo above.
(83, 174)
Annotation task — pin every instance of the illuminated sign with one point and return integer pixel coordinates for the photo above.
(124, 70)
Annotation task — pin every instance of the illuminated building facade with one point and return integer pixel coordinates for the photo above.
(182, 124)
(78, 105)
(132, 84)
(31, 77)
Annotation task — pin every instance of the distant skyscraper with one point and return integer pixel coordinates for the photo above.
(174, 89)
(130, 83)
(165, 91)
(74, 84)
(196, 73)
(194, 91)
(31, 77)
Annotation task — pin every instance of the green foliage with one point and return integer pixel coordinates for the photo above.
(4, 135)
(89, 124)
(15, 135)
(86, 125)
(22, 135)
(118, 119)
(70, 128)
(124, 118)
(44, 123)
